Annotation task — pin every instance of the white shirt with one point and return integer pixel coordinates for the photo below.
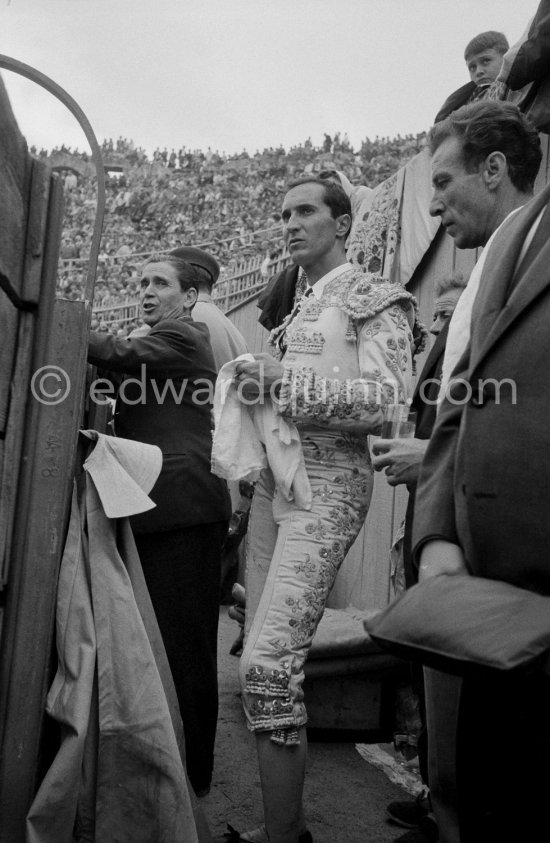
(459, 326)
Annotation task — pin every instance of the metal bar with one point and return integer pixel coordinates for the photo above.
(57, 91)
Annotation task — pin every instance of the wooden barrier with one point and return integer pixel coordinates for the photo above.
(37, 456)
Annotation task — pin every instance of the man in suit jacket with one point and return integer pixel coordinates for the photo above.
(484, 492)
(402, 459)
(166, 401)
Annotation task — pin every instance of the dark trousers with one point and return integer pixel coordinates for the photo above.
(503, 759)
(182, 571)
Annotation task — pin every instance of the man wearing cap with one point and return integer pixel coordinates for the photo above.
(165, 400)
(226, 340)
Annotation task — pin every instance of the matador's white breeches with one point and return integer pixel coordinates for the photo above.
(293, 556)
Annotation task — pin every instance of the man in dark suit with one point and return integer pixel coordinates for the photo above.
(483, 497)
(166, 401)
(402, 459)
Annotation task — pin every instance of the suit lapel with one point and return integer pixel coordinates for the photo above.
(495, 307)
(433, 358)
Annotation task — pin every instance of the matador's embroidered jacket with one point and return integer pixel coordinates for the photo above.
(349, 351)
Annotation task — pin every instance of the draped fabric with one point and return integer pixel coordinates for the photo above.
(119, 774)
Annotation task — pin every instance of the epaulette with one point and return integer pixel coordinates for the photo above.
(363, 295)
(370, 294)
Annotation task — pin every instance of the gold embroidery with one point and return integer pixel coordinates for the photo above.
(301, 342)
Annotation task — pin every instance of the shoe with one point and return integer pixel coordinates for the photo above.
(409, 814)
(425, 833)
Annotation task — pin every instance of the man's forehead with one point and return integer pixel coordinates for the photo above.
(448, 155)
(305, 194)
(447, 299)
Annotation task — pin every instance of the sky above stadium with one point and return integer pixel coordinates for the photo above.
(234, 74)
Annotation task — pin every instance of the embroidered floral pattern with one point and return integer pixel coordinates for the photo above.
(375, 238)
(354, 447)
(307, 610)
(354, 485)
(317, 529)
(324, 493)
(344, 518)
(272, 670)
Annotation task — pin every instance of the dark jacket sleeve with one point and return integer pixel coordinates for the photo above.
(434, 510)
(172, 348)
(532, 61)
(455, 100)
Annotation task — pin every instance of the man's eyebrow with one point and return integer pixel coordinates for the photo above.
(305, 206)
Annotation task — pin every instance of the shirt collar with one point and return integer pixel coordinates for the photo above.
(202, 296)
(319, 286)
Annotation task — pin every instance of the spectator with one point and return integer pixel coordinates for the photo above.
(226, 340)
(483, 56)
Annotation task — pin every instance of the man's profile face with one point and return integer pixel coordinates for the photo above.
(444, 308)
(484, 67)
(460, 198)
(309, 229)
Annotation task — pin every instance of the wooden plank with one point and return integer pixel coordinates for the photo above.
(42, 512)
(14, 187)
(39, 278)
(14, 174)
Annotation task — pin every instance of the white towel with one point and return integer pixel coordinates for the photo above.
(249, 437)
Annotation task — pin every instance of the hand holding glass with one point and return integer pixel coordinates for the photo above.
(399, 422)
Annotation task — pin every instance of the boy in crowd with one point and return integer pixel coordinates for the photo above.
(483, 56)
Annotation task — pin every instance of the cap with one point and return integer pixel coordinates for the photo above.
(196, 257)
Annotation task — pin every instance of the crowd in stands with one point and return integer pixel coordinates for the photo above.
(228, 204)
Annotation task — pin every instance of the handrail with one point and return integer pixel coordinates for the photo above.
(57, 91)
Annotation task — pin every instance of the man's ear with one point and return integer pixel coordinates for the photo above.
(494, 168)
(343, 225)
(190, 297)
